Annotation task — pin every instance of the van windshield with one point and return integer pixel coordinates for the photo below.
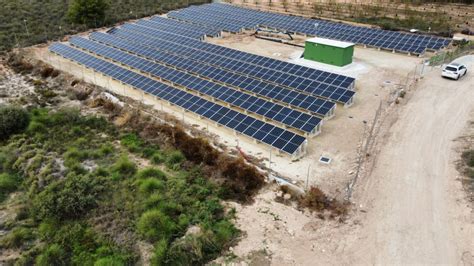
(451, 68)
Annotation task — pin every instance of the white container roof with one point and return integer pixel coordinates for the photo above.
(329, 42)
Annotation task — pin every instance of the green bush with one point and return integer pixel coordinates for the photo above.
(17, 237)
(224, 232)
(153, 200)
(150, 172)
(132, 142)
(8, 184)
(74, 156)
(109, 261)
(157, 158)
(13, 120)
(175, 158)
(106, 149)
(53, 255)
(88, 12)
(69, 198)
(159, 254)
(124, 167)
(150, 185)
(148, 152)
(154, 225)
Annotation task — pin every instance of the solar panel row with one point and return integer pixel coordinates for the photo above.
(403, 42)
(284, 115)
(317, 106)
(175, 23)
(316, 87)
(279, 138)
(259, 61)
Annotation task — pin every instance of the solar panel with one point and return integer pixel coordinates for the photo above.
(243, 17)
(279, 138)
(284, 115)
(316, 106)
(173, 22)
(306, 80)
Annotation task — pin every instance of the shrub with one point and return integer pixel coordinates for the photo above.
(106, 149)
(157, 158)
(17, 237)
(197, 150)
(468, 157)
(8, 183)
(109, 261)
(69, 198)
(89, 12)
(175, 158)
(150, 185)
(148, 152)
(241, 181)
(186, 251)
(46, 72)
(73, 156)
(224, 232)
(316, 200)
(153, 225)
(124, 167)
(13, 120)
(159, 254)
(150, 172)
(153, 200)
(53, 255)
(132, 142)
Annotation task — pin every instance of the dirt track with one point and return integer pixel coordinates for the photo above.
(416, 211)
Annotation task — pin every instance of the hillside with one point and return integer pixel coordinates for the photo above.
(24, 22)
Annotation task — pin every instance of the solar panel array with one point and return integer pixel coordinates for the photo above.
(315, 82)
(312, 104)
(228, 18)
(272, 101)
(281, 114)
(279, 138)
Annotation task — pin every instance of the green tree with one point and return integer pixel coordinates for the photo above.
(88, 12)
(12, 120)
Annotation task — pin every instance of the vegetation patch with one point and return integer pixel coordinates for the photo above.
(316, 200)
(87, 201)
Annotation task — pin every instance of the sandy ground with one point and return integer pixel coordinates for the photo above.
(417, 210)
(410, 211)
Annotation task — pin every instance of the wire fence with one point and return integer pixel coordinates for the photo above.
(448, 56)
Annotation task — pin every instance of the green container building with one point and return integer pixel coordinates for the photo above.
(327, 51)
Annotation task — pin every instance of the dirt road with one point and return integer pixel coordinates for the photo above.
(416, 214)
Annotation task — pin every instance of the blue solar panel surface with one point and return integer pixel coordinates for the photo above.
(259, 61)
(269, 110)
(279, 138)
(238, 16)
(172, 23)
(306, 102)
(314, 82)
